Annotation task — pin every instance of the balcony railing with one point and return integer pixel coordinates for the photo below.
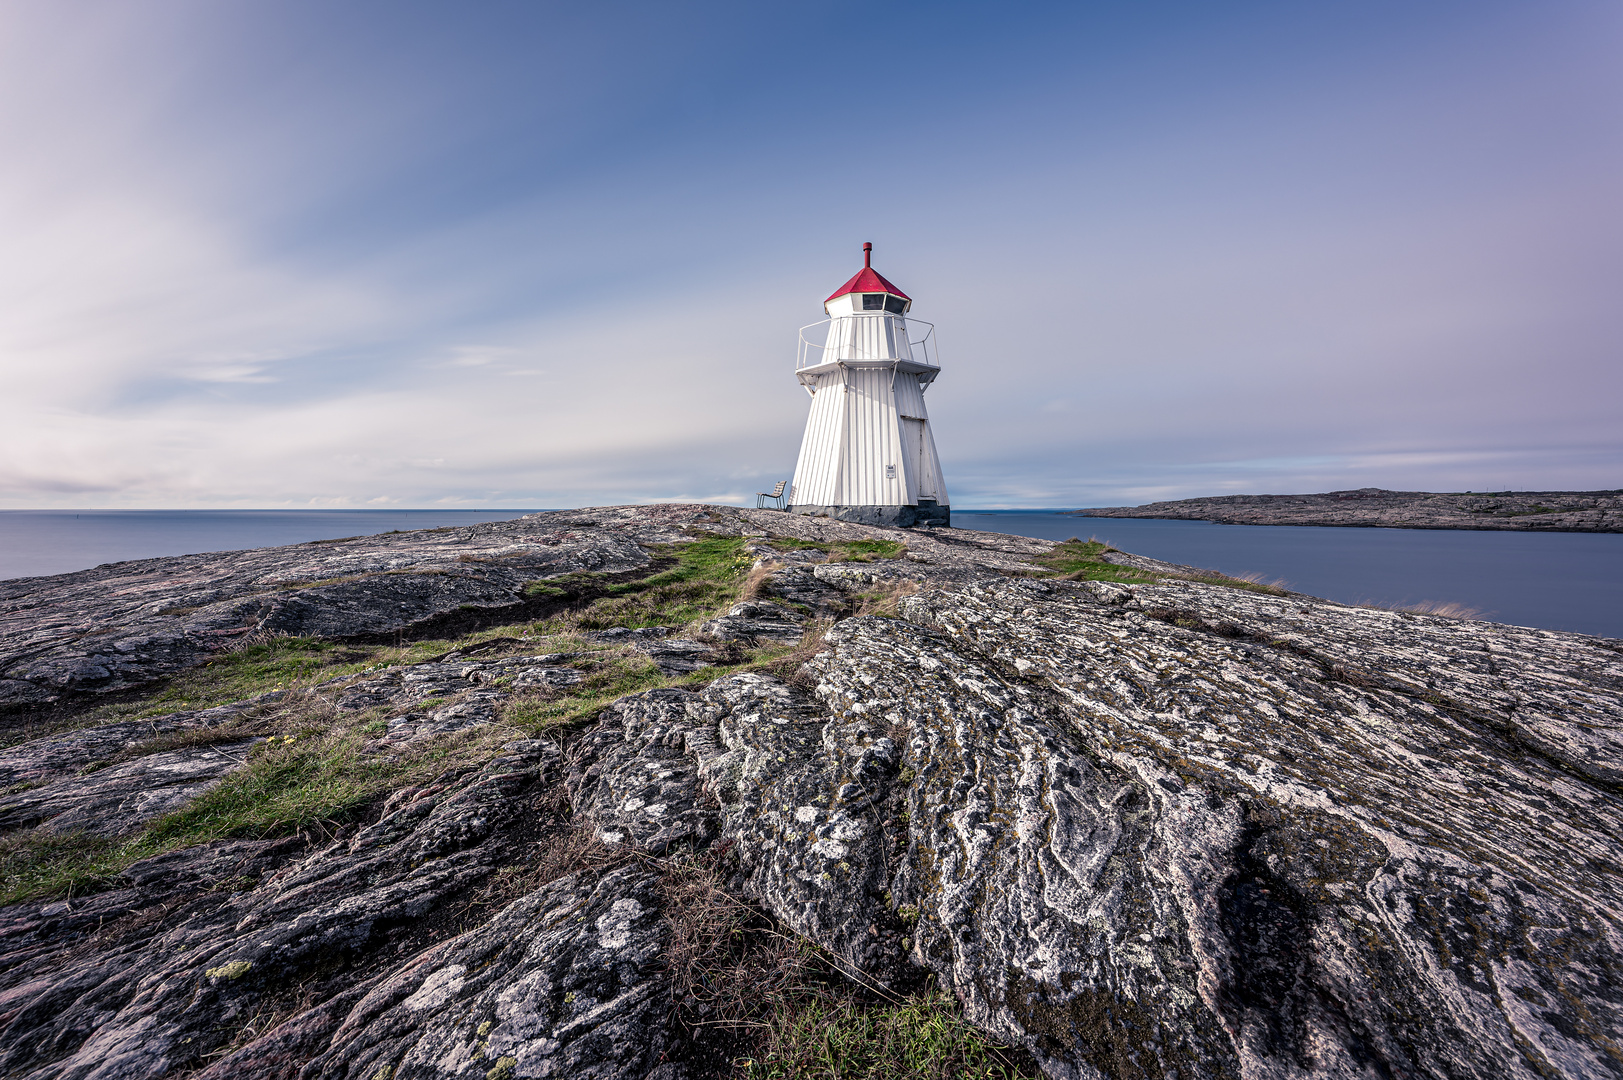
(811, 354)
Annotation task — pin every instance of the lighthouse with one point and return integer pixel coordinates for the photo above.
(868, 454)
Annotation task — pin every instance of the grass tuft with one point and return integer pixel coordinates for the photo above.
(1448, 609)
(1083, 560)
(706, 578)
(611, 675)
(923, 1035)
(883, 600)
(866, 550)
(791, 1007)
(35, 863)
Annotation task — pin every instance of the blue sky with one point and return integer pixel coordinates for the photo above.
(527, 254)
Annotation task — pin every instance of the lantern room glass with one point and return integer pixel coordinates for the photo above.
(895, 305)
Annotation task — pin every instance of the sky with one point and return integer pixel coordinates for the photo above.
(503, 254)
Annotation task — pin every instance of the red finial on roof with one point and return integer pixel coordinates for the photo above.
(868, 279)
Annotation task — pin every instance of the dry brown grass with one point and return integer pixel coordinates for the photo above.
(883, 600)
(726, 959)
(1256, 577)
(1251, 582)
(570, 850)
(757, 583)
(787, 666)
(789, 1009)
(1448, 609)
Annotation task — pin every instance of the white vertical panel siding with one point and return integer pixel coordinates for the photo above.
(872, 441)
(899, 344)
(925, 481)
(817, 473)
(857, 437)
(938, 480)
(912, 448)
(867, 337)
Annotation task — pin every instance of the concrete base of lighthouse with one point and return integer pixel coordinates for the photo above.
(896, 517)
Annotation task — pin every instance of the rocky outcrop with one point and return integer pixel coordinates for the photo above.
(1548, 511)
(1139, 830)
(128, 625)
(1282, 838)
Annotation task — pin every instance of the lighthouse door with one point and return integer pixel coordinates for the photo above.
(914, 445)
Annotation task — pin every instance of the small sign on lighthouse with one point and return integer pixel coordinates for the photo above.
(869, 451)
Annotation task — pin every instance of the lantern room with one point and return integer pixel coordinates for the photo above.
(867, 292)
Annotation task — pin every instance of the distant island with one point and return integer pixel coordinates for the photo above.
(1546, 511)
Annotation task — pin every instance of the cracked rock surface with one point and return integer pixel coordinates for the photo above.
(1172, 830)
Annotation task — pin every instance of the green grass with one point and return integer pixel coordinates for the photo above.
(1082, 560)
(311, 774)
(277, 664)
(705, 580)
(866, 550)
(844, 550)
(296, 782)
(915, 1037)
(35, 864)
(611, 675)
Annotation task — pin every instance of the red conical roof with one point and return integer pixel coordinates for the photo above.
(867, 280)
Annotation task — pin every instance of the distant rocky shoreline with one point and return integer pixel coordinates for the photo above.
(1542, 511)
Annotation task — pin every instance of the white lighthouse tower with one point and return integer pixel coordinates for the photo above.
(869, 454)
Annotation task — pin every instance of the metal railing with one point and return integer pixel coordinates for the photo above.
(924, 350)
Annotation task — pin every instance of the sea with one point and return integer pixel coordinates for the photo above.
(38, 542)
(1556, 581)
(1551, 580)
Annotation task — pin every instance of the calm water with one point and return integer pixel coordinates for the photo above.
(1559, 581)
(1562, 581)
(35, 542)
